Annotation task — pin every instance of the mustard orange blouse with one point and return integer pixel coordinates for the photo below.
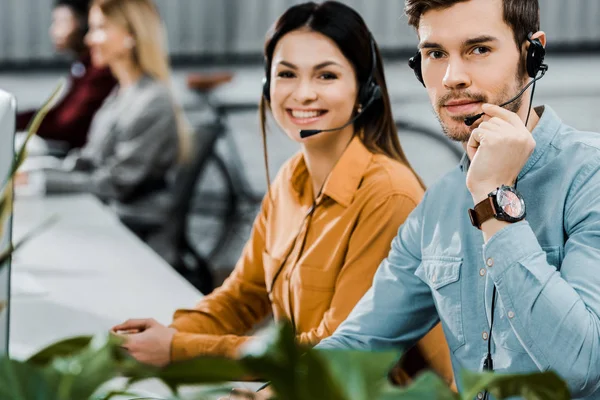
(310, 268)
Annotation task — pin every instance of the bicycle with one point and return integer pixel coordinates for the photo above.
(225, 202)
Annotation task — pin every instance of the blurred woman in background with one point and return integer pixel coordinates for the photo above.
(66, 126)
(139, 133)
(330, 214)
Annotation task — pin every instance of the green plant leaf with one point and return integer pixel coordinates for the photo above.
(80, 375)
(202, 370)
(63, 348)
(426, 386)
(362, 373)
(318, 381)
(273, 354)
(6, 189)
(294, 372)
(534, 386)
(22, 381)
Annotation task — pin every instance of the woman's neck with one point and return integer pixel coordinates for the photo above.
(126, 71)
(321, 158)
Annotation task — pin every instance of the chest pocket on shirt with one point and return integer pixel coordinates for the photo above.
(442, 274)
(503, 333)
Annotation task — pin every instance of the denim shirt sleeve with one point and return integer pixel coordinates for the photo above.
(555, 314)
(398, 309)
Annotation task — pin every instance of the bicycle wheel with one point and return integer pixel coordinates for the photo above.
(212, 209)
(430, 153)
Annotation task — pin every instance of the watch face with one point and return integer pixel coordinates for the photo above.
(510, 203)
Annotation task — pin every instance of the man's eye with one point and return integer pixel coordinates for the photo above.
(481, 50)
(435, 54)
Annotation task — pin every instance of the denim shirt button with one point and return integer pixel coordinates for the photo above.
(490, 262)
(511, 314)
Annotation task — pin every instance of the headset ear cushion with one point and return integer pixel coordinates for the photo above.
(376, 92)
(535, 57)
(415, 64)
(266, 89)
(267, 82)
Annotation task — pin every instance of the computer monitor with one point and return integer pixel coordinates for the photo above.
(7, 134)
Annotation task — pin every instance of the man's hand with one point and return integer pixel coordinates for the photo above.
(147, 341)
(498, 148)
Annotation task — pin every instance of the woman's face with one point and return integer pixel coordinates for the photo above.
(108, 42)
(65, 30)
(313, 86)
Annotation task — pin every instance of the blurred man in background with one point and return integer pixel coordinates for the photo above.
(66, 126)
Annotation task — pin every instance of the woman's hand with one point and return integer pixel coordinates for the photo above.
(147, 340)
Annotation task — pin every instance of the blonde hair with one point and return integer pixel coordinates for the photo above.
(142, 20)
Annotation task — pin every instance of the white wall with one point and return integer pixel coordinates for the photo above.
(199, 27)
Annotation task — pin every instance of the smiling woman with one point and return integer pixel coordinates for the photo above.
(330, 214)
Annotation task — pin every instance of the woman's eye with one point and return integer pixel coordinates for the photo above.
(328, 76)
(285, 74)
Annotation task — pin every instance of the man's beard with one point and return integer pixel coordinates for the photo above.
(462, 132)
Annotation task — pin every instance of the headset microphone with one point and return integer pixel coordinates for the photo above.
(472, 119)
(304, 133)
(368, 93)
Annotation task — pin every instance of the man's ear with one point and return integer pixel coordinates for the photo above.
(541, 36)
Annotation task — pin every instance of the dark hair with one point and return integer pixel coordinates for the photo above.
(81, 9)
(523, 16)
(348, 30)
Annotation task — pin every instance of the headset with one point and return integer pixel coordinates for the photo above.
(534, 64)
(368, 92)
(534, 61)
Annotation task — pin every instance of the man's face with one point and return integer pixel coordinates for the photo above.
(469, 58)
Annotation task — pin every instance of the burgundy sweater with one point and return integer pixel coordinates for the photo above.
(70, 119)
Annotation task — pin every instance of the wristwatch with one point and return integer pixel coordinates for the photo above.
(505, 204)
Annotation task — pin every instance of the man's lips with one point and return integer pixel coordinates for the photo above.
(462, 106)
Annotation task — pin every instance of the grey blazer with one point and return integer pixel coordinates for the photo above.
(131, 150)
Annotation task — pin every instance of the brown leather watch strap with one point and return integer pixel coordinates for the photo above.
(483, 211)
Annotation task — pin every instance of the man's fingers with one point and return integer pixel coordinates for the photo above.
(476, 137)
(493, 110)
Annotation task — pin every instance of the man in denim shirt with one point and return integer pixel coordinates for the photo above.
(542, 269)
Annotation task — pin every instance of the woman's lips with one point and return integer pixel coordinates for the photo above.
(305, 117)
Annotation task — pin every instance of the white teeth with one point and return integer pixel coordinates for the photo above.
(305, 114)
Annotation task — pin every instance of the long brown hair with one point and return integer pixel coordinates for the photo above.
(348, 30)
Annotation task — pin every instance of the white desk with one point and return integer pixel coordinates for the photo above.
(86, 273)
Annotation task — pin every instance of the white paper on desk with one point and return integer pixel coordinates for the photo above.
(39, 163)
(25, 284)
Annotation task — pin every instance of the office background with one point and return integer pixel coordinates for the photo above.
(223, 31)
(228, 35)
